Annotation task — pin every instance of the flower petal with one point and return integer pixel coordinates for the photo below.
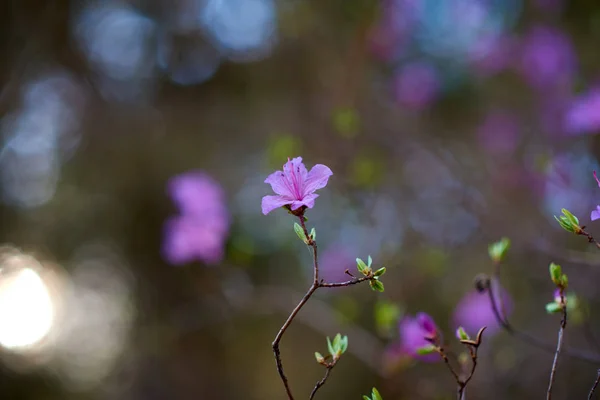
(317, 178)
(596, 213)
(269, 203)
(279, 184)
(308, 201)
(295, 174)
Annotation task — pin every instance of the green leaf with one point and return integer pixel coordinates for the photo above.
(553, 308)
(300, 232)
(336, 343)
(572, 219)
(376, 395)
(330, 347)
(344, 344)
(428, 349)
(380, 272)
(568, 221)
(461, 334)
(362, 267)
(365, 397)
(498, 250)
(376, 285)
(555, 273)
(564, 281)
(319, 357)
(369, 261)
(313, 234)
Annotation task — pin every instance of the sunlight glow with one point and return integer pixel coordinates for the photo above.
(26, 310)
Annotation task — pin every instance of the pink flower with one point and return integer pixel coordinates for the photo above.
(417, 85)
(583, 115)
(417, 332)
(200, 231)
(295, 187)
(475, 311)
(596, 213)
(548, 59)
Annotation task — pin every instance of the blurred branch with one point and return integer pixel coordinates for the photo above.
(322, 381)
(561, 332)
(591, 395)
(532, 340)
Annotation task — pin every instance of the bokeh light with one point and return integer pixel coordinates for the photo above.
(26, 309)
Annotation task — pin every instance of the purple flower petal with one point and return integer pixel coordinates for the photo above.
(269, 203)
(200, 231)
(413, 334)
(595, 214)
(295, 186)
(475, 311)
(187, 239)
(317, 178)
(195, 192)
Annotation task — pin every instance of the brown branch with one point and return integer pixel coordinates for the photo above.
(581, 231)
(561, 331)
(591, 395)
(280, 335)
(447, 361)
(322, 381)
(473, 346)
(532, 340)
(347, 283)
(315, 285)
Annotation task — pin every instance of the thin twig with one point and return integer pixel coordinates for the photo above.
(322, 381)
(561, 331)
(342, 284)
(532, 340)
(461, 388)
(315, 285)
(591, 395)
(473, 346)
(280, 335)
(589, 236)
(447, 361)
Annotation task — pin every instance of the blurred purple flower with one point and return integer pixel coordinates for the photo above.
(583, 115)
(416, 85)
(200, 230)
(596, 213)
(333, 263)
(491, 58)
(391, 33)
(548, 59)
(499, 132)
(475, 311)
(414, 334)
(295, 186)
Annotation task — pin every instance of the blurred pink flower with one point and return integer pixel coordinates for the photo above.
(414, 334)
(200, 230)
(490, 58)
(475, 311)
(548, 60)
(583, 115)
(295, 186)
(417, 85)
(391, 33)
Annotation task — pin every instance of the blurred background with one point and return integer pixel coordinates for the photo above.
(135, 137)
